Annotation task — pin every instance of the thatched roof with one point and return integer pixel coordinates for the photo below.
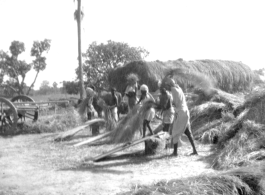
(226, 75)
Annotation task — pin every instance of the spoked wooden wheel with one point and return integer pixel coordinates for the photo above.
(22, 98)
(8, 115)
(25, 108)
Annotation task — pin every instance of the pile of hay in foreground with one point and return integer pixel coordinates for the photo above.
(209, 115)
(247, 181)
(241, 137)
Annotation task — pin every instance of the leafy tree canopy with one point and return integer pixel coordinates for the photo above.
(71, 87)
(100, 59)
(16, 69)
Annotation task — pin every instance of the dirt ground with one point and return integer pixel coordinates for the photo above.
(35, 165)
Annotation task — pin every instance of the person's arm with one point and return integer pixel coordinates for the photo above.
(151, 97)
(126, 91)
(115, 103)
(141, 98)
(176, 98)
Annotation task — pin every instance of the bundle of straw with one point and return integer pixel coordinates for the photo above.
(131, 123)
(132, 78)
(190, 77)
(110, 121)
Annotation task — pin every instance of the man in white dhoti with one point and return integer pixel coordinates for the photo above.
(150, 113)
(181, 122)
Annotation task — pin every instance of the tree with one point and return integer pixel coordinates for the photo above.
(55, 85)
(78, 16)
(16, 70)
(45, 87)
(39, 64)
(70, 87)
(101, 58)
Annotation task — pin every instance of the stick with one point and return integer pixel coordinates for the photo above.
(124, 146)
(92, 140)
(72, 132)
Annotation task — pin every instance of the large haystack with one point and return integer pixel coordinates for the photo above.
(228, 76)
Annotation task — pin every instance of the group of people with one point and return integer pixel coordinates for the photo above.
(172, 104)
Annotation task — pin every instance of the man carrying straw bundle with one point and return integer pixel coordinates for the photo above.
(150, 113)
(182, 116)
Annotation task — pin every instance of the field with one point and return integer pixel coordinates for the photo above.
(33, 163)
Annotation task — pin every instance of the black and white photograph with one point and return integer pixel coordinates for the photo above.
(132, 97)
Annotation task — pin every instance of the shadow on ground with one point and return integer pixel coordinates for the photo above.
(109, 164)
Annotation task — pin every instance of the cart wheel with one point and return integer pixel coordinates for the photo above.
(22, 98)
(22, 114)
(8, 115)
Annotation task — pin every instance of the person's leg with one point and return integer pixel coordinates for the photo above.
(148, 126)
(144, 128)
(175, 152)
(89, 115)
(190, 137)
(166, 127)
(114, 114)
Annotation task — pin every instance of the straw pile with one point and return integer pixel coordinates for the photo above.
(148, 72)
(187, 77)
(235, 146)
(247, 181)
(228, 76)
(255, 103)
(212, 113)
(217, 95)
(67, 119)
(130, 124)
(132, 79)
(205, 117)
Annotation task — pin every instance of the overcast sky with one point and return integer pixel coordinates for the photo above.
(168, 29)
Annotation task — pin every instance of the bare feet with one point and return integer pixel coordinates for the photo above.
(174, 154)
(193, 153)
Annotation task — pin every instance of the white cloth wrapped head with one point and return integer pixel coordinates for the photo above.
(144, 88)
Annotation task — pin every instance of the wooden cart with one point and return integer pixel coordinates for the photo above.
(19, 108)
